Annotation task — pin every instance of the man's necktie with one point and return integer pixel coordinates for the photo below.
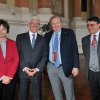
(94, 41)
(55, 51)
(33, 41)
(55, 47)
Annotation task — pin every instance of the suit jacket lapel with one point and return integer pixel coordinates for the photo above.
(98, 48)
(88, 43)
(63, 36)
(1, 54)
(50, 36)
(7, 49)
(37, 40)
(98, 45)
(27, 39)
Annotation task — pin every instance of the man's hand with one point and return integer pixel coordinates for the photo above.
(6, 79)
(75, 72)
(30, 72)
(27, 71)
(33, 71)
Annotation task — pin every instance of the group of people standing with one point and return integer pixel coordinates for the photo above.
(25, 59)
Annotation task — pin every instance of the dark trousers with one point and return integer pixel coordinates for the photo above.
(94, 81)
(7, 92)
(35, 83)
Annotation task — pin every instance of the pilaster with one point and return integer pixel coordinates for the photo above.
(4, 9)
(96, 8)
(77, 23)
(22, 9)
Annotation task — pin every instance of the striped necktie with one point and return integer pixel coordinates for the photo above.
(94, 41)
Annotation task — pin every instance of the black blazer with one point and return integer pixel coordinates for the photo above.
(33, 58)
(68, 49)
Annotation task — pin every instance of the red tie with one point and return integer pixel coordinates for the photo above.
(94, 41)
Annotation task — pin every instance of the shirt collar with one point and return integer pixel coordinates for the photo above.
(97, 33)
(97, 36)
(59, 32)
(31, 33)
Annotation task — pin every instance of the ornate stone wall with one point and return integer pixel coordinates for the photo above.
(18, 14)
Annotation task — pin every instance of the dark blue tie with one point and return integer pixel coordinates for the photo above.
(33, 41)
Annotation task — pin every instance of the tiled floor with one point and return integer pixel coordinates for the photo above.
(80, 85)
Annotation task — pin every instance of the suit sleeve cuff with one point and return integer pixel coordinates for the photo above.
(1, 78)
(24, 69)
(37, 69)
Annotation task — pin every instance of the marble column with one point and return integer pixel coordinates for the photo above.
(4, 9)
(77, 15)
(21, 3)
(96, 8)
(3, 1)
(22, 9)
(34, 7)
(44, 7)
(77, 23)
(65, 18)
(44, 12)
(76, 8)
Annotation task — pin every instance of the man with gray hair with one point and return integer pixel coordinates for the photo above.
(33, 55)
(63, 59)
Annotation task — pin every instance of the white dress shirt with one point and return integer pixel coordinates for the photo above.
(31, 36)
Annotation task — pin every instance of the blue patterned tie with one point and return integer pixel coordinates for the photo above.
(55, 49)
(33, 41)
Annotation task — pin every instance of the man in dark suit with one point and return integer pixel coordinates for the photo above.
(63, 59)
(91, 51)
(33, 55)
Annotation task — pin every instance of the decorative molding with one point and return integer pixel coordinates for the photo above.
(65, 22)
(44, 11)
(4, 9)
